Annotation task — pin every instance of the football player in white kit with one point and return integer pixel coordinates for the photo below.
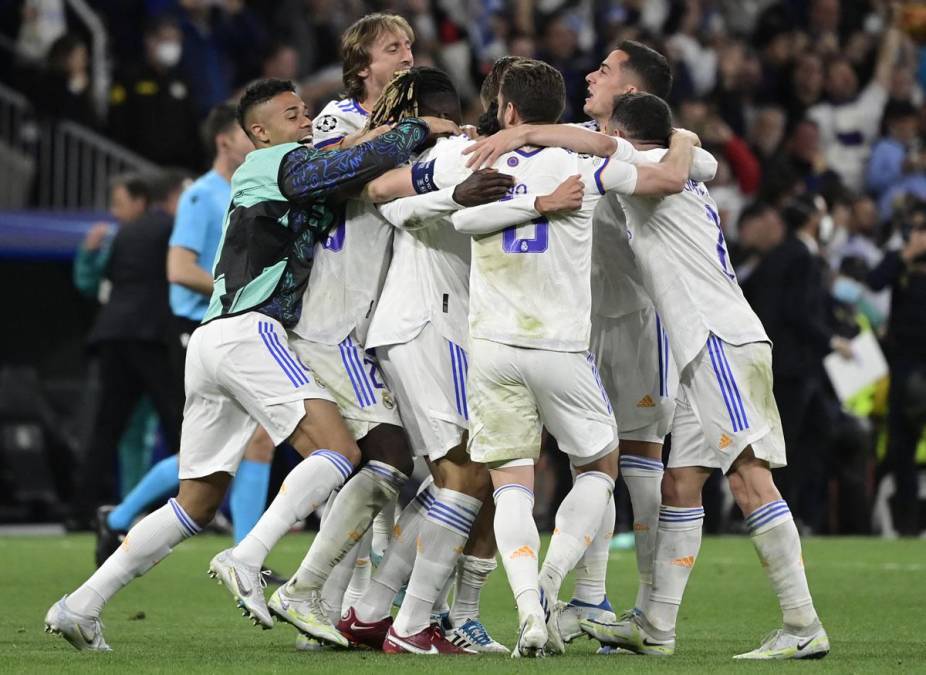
(240, 371)
(726, 416)
(373, 49)
(530, 304)
(347, 274)
(627, 339)
(421, 333)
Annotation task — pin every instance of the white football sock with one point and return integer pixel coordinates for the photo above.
(398, 560)
(441, 540)
(333, 592)
(144, 546)
(779, 547)
(592, 568)
(383, 525)
(361, 573)
(442, 604)
(643, 477)
(519, 544)
(346, 523)
(577, 522)
(472, 574)
(305, 489)
(677, 544)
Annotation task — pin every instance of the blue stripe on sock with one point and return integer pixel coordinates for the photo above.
(340, 462)
(512, 486)
(267, 343)
(454, 525)
(769, 517)
(766, 513)
(185, 521)
(447, 515)
(764, 508)
(641, 463)
(425, 499)
(453, 510)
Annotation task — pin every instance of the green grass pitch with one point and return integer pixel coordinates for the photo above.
(870, 593)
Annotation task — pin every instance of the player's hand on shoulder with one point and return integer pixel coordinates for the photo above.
(441, 127)
(686, 135)
(482, 187)
(486, 150)
(566, 197)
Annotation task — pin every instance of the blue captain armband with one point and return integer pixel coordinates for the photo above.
(423, 177)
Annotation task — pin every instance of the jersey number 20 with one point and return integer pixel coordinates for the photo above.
(512, 243)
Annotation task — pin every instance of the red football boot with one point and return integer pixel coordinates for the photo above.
(362, 633)
(429, 641)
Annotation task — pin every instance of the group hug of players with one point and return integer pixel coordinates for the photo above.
(388, 286)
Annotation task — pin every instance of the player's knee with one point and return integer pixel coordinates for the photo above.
(606, 465)
(387, 443)
(681, 488)
(260, 448)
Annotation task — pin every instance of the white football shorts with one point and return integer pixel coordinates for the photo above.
(240, 372)
(638, 372)
(725, 404)
(428, 376)
(352, 376)
(514, 392)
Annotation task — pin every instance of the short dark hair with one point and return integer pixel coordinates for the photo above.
(536, 90)
(260, 91)
(488, 94)
(643, 117)
(220, 120)
(135, 184)
(413, 92)
(164, 181)
(650, 66)
(799, 210)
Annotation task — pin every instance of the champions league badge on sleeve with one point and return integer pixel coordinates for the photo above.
(327, 123)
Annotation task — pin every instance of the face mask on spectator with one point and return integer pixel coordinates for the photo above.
(847, 290)
(168, 53)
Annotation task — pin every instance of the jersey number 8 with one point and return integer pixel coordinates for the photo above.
(511, 243)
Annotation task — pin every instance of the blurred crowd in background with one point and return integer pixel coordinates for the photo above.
(814, 108)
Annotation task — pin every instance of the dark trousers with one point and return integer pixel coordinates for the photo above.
(806, 420)
(128, 369)
(903, 435)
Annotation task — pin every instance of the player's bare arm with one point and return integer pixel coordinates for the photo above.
(669, 176)
(485, 151)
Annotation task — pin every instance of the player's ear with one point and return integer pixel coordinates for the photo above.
(259, 133)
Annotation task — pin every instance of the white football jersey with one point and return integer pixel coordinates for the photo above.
(428, 279)
(336, 120)
(617, 287)
(349, 267)
(685, 268)
(530, 284)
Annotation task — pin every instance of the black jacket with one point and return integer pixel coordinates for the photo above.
(906, 329)
(138, 306)
(789, 293)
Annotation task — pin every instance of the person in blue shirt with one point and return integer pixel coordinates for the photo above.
(190, 258)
